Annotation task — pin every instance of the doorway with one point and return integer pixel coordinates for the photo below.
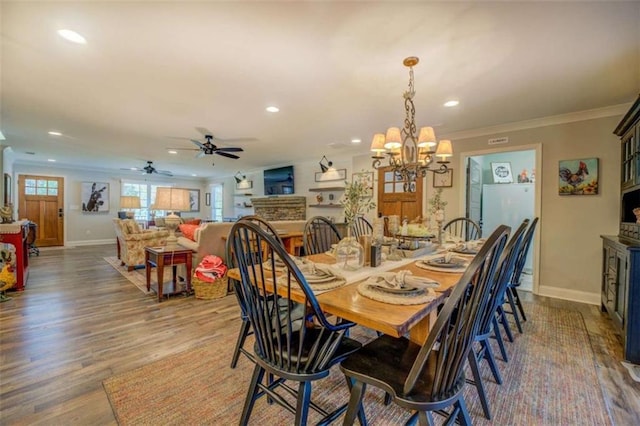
(41, 200)
(507, 197)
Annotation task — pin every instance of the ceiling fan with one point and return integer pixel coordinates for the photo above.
(149, 169)
(209, 147)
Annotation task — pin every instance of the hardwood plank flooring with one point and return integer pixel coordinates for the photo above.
(79, 322)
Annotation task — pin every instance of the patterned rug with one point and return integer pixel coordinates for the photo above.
(550, 379)
(138, 276)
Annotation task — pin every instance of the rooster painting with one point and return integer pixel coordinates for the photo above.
(576, 179)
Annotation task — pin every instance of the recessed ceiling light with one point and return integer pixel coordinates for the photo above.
(2, 137)
(72, 36)
(51, 160)
(171, 151)
(356, 140)
(193, 174)
(451, 103)
(273, 109)
(52, 133)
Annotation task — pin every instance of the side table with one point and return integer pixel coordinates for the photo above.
(167, 256)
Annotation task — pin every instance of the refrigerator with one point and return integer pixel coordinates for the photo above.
(509, 204)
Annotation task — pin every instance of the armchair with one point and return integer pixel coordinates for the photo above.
(132, 241)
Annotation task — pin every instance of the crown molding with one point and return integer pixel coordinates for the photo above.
(572, 117)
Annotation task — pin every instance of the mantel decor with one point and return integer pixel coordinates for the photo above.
(410, 153)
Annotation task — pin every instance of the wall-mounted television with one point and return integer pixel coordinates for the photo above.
(279, 181)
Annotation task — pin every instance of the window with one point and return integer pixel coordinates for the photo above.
(216, 202)
(40, 187)
(147, 194)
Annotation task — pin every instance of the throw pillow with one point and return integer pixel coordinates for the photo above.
(192, 221)
(188, 231)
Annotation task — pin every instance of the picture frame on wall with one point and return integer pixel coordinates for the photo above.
(94, 197)
(207, 199)
(501, 172)
(331, 175)
(244, 184)
(443, 180)
(194, 200)
(578, 177)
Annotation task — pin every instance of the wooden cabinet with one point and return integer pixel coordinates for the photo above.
(620, 295)
(621, 291)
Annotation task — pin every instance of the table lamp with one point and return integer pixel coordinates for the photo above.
(129, 203)
(172, 200)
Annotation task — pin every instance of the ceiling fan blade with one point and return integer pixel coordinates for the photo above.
(230, 149)
(198, 144)
(237, 140)
(200, 154)
(204, 131)
(186, 149)
(131, 169)
(164, 172)
(224, 154)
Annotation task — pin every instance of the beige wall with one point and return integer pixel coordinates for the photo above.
(570, 227)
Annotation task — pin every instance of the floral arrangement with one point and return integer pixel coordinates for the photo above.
(356, 200)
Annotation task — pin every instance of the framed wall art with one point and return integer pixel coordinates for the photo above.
(443, 180)
(95, 197)
(578, 177)
(194, 200)
(331, 175)
(207, 199)
(501, 172)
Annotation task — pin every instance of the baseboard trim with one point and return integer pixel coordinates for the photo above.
(572, 295)
(89, 242)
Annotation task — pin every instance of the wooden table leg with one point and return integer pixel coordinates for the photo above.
(419, 332)
(160, 267)
(188, 277)
(147, 266)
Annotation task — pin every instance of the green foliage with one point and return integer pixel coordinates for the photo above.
(436, 203)
(356, 200)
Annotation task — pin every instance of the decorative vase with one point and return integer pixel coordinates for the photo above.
(319, 198)
(349, 253)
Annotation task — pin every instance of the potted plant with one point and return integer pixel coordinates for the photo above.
(356, 201)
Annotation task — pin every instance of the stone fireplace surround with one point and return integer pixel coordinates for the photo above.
(286, 207)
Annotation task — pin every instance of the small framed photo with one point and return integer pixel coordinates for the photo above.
(578, 177)
(501, 172)
(443, 180)
(334, 174)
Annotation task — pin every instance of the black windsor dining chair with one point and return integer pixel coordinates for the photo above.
(288, 347)
(318, 235)
(361, 226)
(489, 319)
(245, 328)
(430, 377)
(463, 228)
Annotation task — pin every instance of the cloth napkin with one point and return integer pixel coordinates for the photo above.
(401, 279)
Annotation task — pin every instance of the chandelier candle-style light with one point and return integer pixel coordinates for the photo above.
(410, 153)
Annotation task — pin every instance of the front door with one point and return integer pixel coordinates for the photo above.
(41, 200)
(392, 200)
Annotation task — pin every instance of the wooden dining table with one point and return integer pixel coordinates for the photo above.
(395, 320)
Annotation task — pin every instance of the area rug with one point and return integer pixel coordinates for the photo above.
(138, 277)
(550, 379)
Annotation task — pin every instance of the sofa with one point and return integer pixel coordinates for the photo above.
(132, 240)
(208, 237)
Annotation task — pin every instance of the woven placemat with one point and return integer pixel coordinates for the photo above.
(412, 298)
(327, 285)
(421, 264)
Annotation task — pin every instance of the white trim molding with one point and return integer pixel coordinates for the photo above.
(572, 295)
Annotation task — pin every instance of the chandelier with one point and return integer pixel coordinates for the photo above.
(410, 154)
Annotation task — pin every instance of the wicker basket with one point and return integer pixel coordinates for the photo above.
(206, 291)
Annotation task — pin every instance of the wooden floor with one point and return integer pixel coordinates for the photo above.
(79, 322)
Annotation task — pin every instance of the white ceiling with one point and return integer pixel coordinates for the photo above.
(151, 72)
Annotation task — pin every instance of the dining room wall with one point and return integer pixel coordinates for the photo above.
(570, 226)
